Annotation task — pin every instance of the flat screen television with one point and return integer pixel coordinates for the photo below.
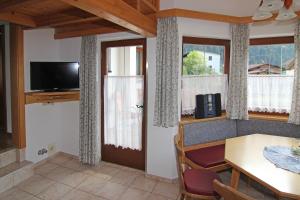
(52, 76)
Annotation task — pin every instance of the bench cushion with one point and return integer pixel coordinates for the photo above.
(200, 181)
(208, 156)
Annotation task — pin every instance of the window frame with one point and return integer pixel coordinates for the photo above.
(208, 41)
(271, 41)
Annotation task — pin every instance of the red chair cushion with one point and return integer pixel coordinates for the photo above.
(200, 181)
(208, 157)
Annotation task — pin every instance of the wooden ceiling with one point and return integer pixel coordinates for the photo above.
(72, 18)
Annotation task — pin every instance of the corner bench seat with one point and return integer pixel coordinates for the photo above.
(207, 157)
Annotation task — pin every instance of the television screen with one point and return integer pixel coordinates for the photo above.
(54, 75)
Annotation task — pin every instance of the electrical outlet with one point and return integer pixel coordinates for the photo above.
(51, 148)
(40, 152)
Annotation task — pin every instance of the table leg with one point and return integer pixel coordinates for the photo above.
(235, 177)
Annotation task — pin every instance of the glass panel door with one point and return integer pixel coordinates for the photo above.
(123, 109)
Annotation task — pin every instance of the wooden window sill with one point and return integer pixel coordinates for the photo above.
(259, 116)
(270, 117)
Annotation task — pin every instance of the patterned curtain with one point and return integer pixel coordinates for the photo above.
(295, 108)
(167, 58)
(89, 151)
(237, 91)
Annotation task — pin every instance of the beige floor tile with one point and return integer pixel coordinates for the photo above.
(45, 168)
(59, 173)
(54, 192)
(132, 170)
(79, 195)
(144, 183)
(92, 184)
(111, 171)
(60, 159)
(124, 177)
(35, 184)
(168, 190)
(111, 191)
(6, 182)
(16, 194)
(157, 197)
(94, 173)
(108, 164)
(135, 194)
(75, 165)
(73, 179)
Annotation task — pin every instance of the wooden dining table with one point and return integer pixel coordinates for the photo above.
(245, 155)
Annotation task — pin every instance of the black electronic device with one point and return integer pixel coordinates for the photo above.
(208, 105)
(51, 76)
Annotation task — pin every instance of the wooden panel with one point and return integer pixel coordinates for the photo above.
(176, 12)
(52, 97)
(17, 18)
(190, 120)
(12, 5)
(273, 40)
(118, 12)
(61, 33)
(270, 117)
(44, 8)
(17, 85)
(66, 20)
(199, 15)
(259, 116)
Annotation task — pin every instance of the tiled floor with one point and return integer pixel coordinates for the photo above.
(63, 178)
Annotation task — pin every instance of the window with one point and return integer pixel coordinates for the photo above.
(271, 74)
(205, 66)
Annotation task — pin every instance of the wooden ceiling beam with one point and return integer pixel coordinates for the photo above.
(63, 22)
(176, 12)
(12, 5)
(65, 33)
(118, 12)
(18, 18)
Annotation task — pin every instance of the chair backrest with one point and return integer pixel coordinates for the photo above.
(181, 167)
(228, 193)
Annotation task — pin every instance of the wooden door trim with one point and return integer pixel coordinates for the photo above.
(121, 43)
(17, 85)
(2, 71)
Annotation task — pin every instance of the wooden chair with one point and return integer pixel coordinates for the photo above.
(211, 162)
(194, 183)
(228, 193)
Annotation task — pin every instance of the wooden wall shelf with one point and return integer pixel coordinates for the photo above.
(51, 97)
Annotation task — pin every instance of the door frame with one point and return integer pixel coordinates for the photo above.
(2, 78)
(118, 159)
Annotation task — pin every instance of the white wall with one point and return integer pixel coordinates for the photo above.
(50, 124)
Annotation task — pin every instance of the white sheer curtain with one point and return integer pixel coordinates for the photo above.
(123, 95)
(194, 85)
(270, 93)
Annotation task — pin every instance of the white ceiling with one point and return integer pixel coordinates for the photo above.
(228, 7)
